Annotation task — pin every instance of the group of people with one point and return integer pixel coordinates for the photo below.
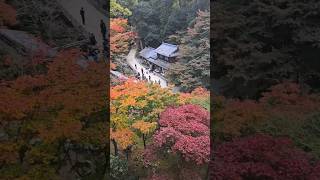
(143, 76)
(103, 26)
(94, 52)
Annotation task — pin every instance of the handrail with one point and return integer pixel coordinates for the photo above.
(77, 43)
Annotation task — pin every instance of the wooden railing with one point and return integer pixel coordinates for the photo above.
(73, 44)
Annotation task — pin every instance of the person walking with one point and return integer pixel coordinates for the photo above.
(149, 78)
(103, 29)
(82, 13)
(92, 39)
(135, 66)
(142, 70)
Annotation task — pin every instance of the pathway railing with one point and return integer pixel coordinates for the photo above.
(73, 44)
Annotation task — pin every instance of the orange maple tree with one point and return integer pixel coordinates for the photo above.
(144, 128)
(67, 102)
(200, 96)
(135, 105)
(120, 35)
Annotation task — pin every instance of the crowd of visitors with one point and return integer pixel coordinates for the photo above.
(91, 51)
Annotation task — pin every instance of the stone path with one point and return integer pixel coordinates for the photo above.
(132, 61)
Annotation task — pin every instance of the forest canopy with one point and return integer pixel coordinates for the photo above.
(156, 20)
(262, 43)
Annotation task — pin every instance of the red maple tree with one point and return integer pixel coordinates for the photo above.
(185, 130)
(260, 157)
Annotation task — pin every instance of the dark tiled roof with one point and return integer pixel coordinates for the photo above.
(148, 52)
(167, 49)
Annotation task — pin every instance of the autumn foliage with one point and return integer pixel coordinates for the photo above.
(46, 110)
(274, 137)
(118, 25)
(200, 96)
(7, 14)
(147, 120)
(185, 130)
(284, 101)
(120, 36)
(261, 157)
(135, 107)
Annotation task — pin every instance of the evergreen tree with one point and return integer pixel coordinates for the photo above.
(260, 43)
(193, 65)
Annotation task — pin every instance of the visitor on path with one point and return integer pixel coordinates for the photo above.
(103, 29)
(82, 16)
(149, 78)
(142, 70)
(92, 39)
(135, 66)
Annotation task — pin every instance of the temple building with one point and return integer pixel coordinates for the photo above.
(159, 59)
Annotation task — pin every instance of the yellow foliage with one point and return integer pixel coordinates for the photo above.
(144, 127)
(124, 137)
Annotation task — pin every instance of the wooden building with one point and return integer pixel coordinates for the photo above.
(159, 59)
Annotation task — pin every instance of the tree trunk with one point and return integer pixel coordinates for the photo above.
(144, 141)
(207, 173)
(115, 147)
(107, 160)
(127, 154)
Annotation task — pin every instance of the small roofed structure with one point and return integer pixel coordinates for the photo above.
(25, 43)
(159, 59)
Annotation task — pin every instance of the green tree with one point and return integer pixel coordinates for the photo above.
(259, 43)
(118, 168)
(192, 68)
(116, 10)
(156, 20)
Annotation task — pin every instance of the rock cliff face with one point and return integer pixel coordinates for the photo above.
(41, 25)
(25, 43)
(47, 22)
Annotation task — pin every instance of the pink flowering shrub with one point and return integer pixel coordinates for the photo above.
(185, 130)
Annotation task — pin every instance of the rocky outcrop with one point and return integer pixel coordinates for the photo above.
(25, 43)
(48, 21)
